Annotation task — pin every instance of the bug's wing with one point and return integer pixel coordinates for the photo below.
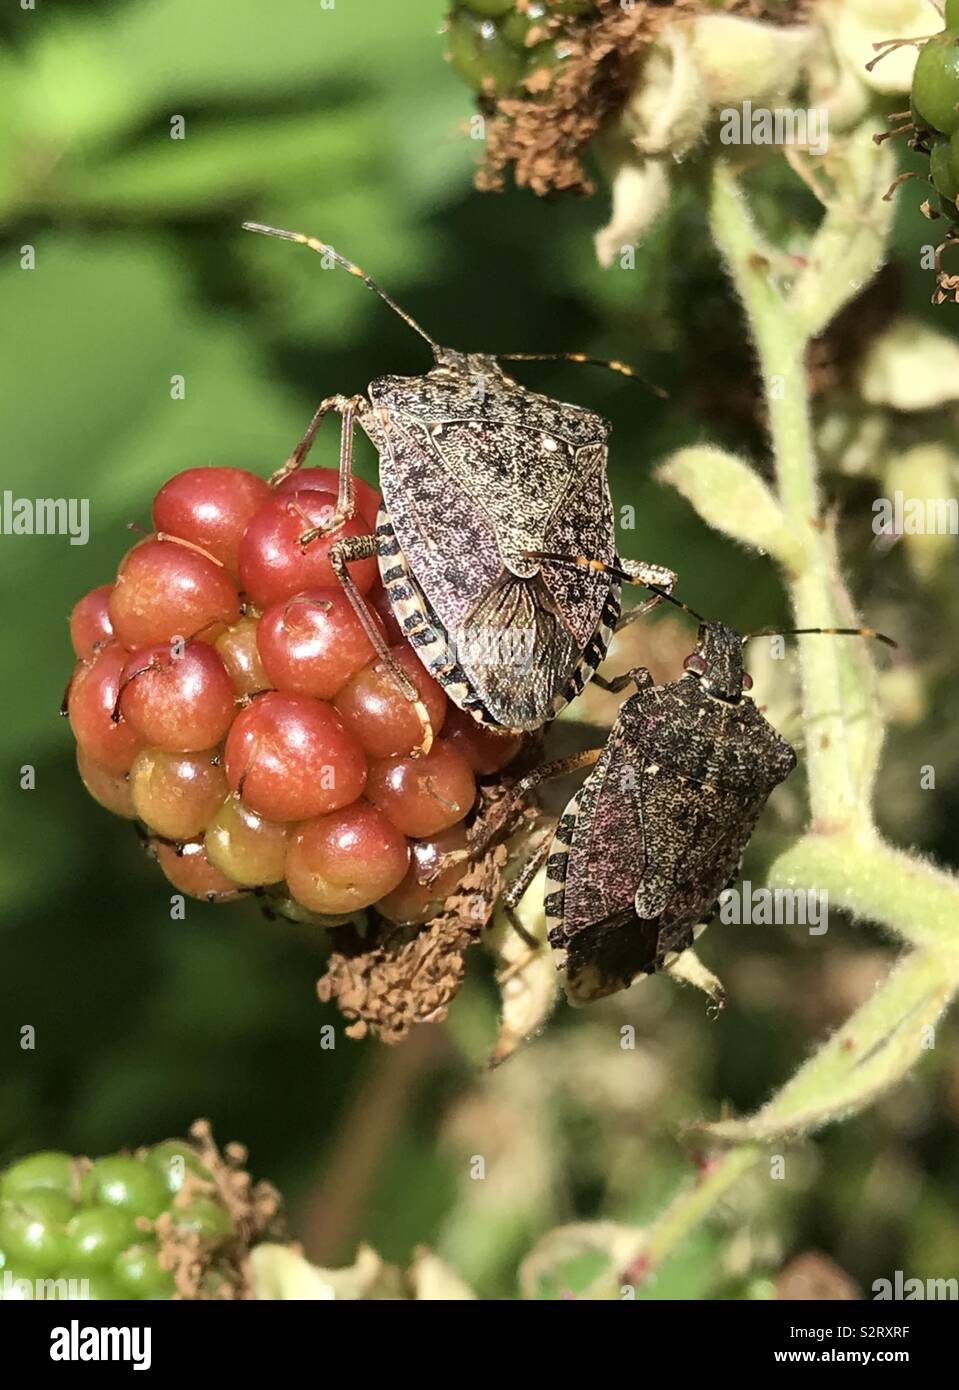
(751, 757)
(448, 540)
(606, 840)
(581, 525)
(598, 855)
(695, 839)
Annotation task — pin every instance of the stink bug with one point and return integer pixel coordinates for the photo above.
(641, 854)
(496, 540)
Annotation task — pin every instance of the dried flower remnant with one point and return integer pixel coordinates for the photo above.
(552, 75)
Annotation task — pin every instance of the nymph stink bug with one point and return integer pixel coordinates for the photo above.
(496, 541)
(641, 853)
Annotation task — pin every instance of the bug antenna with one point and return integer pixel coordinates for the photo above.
(664, 593)
(826, 632)
(325, 250)
(621, 367)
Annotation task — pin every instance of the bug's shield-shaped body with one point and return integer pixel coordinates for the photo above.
(641, 855)
(476, 472)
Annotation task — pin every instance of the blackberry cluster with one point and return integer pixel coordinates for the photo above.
(227, 697)
(172, 1221)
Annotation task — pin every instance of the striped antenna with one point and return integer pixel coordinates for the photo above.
(826, 631)
(325, 250)
(613, 366)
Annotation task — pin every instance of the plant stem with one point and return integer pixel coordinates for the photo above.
(696, 1201)
(781, 348)
(842, 852)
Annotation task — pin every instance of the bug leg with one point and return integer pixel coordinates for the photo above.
(639, 572)
(363, 548)
(525, 785)
(348, 407)
(638, 676)
(688, 968)
(515, 893)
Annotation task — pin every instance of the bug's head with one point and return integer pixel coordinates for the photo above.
(468, 364)
(717, 662)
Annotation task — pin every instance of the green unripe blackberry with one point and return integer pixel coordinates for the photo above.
(46, 1169)
(481, 55)
(205, 1218)
(137, 1270)
(942, 167)
(33, 1229)
(952, 14)
(97, 1235)
(935, 83)
(172, 1161)
(124, 1181)
(515, 27)
(172, 1221)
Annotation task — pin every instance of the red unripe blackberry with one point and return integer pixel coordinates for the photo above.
(111, 789)
(188, 869)
(177, 794)
(211, 507)
(312, 643)
(244, 846)
(166, 590)
(182, 700)
(347, 860)
(376, 710)
(425, 795)
(367, 498)
(280, 555)
(229, 698)
(484, 748)
(91, 701)
(90, 625)
(241, 657)
(414, 900)
(289, 757)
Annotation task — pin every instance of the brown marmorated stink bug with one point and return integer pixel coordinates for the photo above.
(496, 541)
(639, 857)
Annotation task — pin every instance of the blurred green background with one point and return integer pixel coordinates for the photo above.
(346, 122)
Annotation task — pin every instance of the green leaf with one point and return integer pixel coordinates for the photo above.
(910, 367)
(229, 161)
(731, 497)
(871, 1052)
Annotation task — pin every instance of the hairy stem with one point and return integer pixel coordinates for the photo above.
(780, 348)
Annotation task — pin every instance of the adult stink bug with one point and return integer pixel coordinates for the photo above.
(641, 854)
(496, 541)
